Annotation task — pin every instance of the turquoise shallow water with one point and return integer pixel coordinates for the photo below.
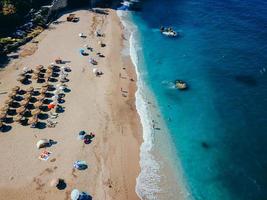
(219, 126)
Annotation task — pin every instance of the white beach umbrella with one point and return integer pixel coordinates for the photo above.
(55, 98)
(95, 70)
(58, 85)
(61, 88)
(62, 68)
(80, 34)
(75, 194)
(42, 143)
(25, 69)
(55, 92)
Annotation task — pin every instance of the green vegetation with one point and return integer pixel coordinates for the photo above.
(15, 11)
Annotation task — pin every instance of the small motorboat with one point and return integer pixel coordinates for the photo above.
(181, 85)
(168, 32)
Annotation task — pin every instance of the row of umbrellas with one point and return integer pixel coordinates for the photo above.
(38, 73)
(23, 104)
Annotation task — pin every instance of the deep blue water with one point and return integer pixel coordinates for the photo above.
(221, 54)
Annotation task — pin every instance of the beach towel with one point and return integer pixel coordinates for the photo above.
(45, 155)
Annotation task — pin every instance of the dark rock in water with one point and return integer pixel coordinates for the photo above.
(181, 85)
(205, 145)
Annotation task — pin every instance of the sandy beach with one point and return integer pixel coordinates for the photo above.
(103, 105)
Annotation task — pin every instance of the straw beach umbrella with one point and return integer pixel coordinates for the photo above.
(40, 97)
(21, 74)
(18, 118)
(39, 67)
(47, 76)
(50, 67)
(38, 104)
(49, 70)
(15, 89)
(21, 79)
(24, 102)
(36, 112)
(36, 71)
(8, 101)
(12, 94)
(20, 110)
(43, 90)
(30, 89)
(4, 108)
(35, 76)
(46, 84)
(33, 120)
(3, 116)
(27, 96)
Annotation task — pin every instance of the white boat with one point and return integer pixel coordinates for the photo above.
(169, 33)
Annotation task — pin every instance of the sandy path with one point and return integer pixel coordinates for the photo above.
(94, 104)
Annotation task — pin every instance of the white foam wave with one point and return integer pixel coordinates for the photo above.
(147, 183)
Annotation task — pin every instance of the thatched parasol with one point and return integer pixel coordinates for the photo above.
(21, 79)
(35, 76)
(50, 67)
(4, 108)
(24, 102)
(48, 71)
(45, 87)
(47, 76)
(15, 89)
(43, 90)
(12, 94)
(36, 111)
(32, 120)
(21, 74)
(39, 67)
(40, 97)
(8, 101)
(17, 118)
(38, 104)
(21, 109)
(36, 71)
(27, 96)
(46, 84)
(3, 115)
(30, 89)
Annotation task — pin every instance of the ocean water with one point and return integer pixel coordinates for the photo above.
(216, 131)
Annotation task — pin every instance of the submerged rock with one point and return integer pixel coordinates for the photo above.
(181, 85)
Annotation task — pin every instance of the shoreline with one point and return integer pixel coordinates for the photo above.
(113, 155)
(156, 180)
